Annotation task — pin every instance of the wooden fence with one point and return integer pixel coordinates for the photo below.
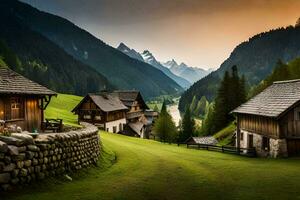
(250, 152)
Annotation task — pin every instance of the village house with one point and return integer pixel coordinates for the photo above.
(137, 122)
(270, 121)
(22, 101)
(103, 110)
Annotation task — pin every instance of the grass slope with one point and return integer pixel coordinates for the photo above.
(145, 169)
(61, 107)
(150, 170)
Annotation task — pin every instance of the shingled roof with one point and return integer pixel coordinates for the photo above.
(128, 97)
(14, 83)
(273, 101)
(105, 102)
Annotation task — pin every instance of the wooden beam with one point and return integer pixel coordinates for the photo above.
(238, 135)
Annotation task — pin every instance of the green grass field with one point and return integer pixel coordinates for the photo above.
(61, 107)
(133, 168)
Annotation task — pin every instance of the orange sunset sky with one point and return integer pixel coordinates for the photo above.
(198, 32)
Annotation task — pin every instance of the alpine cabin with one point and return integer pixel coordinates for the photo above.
(103, 110)
(270, 121)
(137, 123)
(22, 101)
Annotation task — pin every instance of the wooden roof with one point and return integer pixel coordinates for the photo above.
(14, 83)
(274, 101)
(130, 96)
(209, 140)
(105, 102)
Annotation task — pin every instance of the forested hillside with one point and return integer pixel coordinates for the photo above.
(282, 72)
(37, 58)
(121, 70)
(254, 58)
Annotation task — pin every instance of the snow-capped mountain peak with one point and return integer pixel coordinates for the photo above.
(130, 52)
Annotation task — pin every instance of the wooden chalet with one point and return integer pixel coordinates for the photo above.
(104, 110)
(22, 101)
(270, 121)
(136, 121)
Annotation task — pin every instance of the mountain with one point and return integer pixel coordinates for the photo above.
(255, 59)
(191, 74)
(148, 57)
(39, 59)
(122, 71)
(130, 52)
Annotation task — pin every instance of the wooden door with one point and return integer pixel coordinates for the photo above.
(293, 147)
(250, 141)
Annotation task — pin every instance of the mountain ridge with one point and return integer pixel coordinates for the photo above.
(121, 70)
(255, 58)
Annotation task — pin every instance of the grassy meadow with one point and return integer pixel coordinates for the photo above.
(61, 107)
(133, 168)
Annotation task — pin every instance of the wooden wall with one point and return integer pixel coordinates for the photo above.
(290, 123)
(30, 114)
(261, 125)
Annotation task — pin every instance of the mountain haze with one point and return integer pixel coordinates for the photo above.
(147, 57)
(192, 74)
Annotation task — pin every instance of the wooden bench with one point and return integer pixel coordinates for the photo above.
(55, 125)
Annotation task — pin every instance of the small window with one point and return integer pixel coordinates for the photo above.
(242, 136)
(266, 144)
(297, 114)
(98, 117)
(15, 103)
(87, 117)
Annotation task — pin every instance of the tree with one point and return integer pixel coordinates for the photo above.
(298, 23)
(201, 106)
(187, 126)
(231, 94)
(165, 127)
(193, 105)
(208, 125)
(156, 108)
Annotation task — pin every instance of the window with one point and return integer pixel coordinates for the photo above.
(16, 106)
(98, 117)
(297, 114)
(87, 117)
(265, 143)
(242, 136)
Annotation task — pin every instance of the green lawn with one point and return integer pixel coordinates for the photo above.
(150, 170)
(61, 107)
(133, 168)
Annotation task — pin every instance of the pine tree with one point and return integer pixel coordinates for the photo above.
(187, 126)
(165, 127)
(201, 106)
(193, 105)
(156, 108)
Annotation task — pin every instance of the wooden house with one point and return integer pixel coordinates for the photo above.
(137, 123)
(104, 110)
(270, 121)
(22, 101)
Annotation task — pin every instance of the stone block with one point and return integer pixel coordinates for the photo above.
(13, 150)
(33, 148)
(9, 168)
(12, 141)
(3, 147)
(27, 139)
(4, 178)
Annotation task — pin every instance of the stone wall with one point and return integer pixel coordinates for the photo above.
(24, 159)
(278, 147)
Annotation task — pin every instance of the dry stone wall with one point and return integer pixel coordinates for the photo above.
(24, 159)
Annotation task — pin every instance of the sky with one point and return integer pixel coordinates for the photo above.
(200, 33)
